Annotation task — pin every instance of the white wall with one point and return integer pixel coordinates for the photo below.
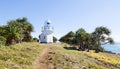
(46, 37)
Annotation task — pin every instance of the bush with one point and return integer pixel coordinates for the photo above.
(54, 39)
(35, 40)
(99, 48)
(2, 40)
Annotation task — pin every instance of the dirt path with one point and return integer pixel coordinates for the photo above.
(41, 61)
(51, 58)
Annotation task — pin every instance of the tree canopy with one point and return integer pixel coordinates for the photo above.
(85, 40)
(68, 37)
(17, 31)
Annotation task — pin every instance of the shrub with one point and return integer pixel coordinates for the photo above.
(2, 40)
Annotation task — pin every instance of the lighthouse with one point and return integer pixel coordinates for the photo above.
(47, 33)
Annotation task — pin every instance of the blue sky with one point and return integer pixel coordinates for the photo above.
(66, 15)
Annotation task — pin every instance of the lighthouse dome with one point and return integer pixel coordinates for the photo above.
(47, 21)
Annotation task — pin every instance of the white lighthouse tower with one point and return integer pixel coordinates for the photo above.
(47, 33)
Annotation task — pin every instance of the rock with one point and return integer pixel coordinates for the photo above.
(83, 67)
(50, 58)
(51, 52)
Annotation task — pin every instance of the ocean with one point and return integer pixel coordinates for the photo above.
(115, 48)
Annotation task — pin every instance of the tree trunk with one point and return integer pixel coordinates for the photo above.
(96, 50)
(88, 49)
(13, 41)
(98, 44)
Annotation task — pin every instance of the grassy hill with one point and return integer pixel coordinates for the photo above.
(19, 56)
(28, 56)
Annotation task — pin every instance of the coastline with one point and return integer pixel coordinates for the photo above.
(113, 48)
(110, 52)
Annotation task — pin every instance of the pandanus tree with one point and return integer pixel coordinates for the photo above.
(26, 28)
(16, 31)
(101, 35)
(89, 41)
(11, 33)
(67, 38)
(80, 38)
(2, 33)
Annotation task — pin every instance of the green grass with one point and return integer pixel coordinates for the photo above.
(19, 56)
(90, 59)
(78, 59)
(22, 56)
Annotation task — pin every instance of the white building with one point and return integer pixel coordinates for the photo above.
(47, 33)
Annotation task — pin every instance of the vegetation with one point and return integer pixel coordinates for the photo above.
(68, 38)
(112, 59)
(2, 40)
(90, 59)
(23, 56)
(100, 34)
(19, 56)
(16, 31)
(35, 39)
(54, 39)
(88, 41)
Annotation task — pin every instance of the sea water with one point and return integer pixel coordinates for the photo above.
(115, 48)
